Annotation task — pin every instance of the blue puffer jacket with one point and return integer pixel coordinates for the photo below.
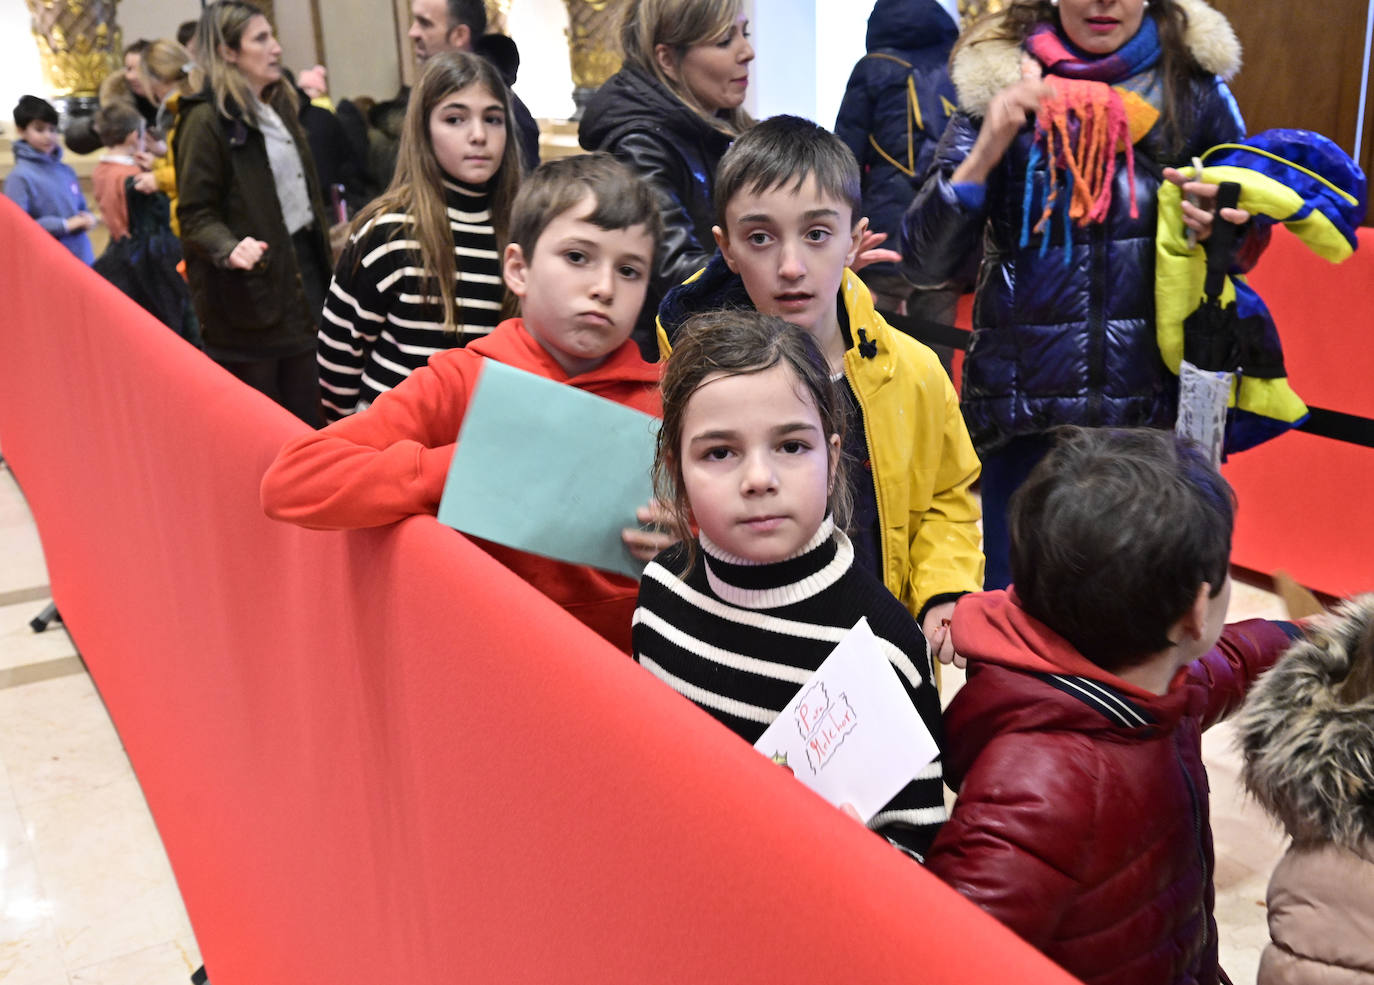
(1055, 342)
(891, 127)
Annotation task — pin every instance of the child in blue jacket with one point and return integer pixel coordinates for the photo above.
(42, 185)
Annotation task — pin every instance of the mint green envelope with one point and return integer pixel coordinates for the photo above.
(550, 469)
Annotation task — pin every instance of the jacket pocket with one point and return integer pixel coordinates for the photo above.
(248, 300)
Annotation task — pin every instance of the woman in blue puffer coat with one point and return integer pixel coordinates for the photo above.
(1065, 334)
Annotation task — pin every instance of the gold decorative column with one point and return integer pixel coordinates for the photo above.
(971, 10)
(79, 44)
(497, 11)
(593, 45)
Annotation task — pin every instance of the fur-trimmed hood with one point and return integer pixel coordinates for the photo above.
(983, 68)
(1309, 747)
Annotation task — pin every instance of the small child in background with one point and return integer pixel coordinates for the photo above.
(122, 130)
(582, 239)
(789, 227)
(738, 618)
(1076, 743)
(1307, 732)
(42, 185)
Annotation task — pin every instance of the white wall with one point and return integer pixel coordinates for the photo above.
(152, 19)
(545, 84)
(804, 52)
(20, 70)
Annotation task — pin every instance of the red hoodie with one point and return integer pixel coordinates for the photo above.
(391, 461)
(1082, 817)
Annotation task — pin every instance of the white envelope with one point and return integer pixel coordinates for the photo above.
(851, 733)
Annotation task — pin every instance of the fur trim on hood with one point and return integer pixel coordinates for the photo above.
(983, 68)
(1308, 742)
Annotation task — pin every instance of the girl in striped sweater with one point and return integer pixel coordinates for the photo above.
(737, 618)
(421, 271)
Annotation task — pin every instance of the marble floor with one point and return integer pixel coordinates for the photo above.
(87, 896)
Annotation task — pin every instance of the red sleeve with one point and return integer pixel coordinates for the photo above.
(381, 465)
(1014, 844)
(1245, 650)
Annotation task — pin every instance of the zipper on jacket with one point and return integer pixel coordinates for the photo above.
(872, 466)
(1197, 842)
(1097, 320)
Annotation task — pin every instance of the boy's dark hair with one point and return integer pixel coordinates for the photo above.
(622, 198)
(740, 342)
(141, 45)
(30, 109)
(783, 150)
(1113, 534)
(502, 52)
(186, 31)
(115, 121)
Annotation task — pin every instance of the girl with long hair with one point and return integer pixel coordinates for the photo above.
(1069, 113)
(421, 271)
(252, 221)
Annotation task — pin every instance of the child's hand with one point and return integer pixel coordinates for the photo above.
(1199, 214)
(246, 255)
(144, 159)
(868, 253)
(80, 221)
(935, 626)
(146, 183)
(645, 544)
(848, 810)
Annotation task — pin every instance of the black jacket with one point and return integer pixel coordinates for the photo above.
(639, 121)
(225, 191)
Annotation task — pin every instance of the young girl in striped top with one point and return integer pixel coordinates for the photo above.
(421, 271)
(737, 618)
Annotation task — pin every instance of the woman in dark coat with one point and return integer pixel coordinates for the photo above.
(671, 113)
(1064, 334)
(252, 223)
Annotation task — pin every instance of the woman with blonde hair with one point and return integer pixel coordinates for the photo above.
(670, 113)
(421, 271)
(252, 221)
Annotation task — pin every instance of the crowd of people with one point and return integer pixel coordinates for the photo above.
(1043, 525)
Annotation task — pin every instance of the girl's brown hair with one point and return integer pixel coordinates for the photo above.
(162, 63)
(222, 24)
(739, 342)
(1177, 66)
(680, 24)
(417, 187)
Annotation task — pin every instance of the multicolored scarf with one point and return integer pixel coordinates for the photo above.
(1081, 127)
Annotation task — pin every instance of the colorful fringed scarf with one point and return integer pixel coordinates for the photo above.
(1081, 127)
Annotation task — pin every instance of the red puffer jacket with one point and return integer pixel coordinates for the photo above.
(1082, 818)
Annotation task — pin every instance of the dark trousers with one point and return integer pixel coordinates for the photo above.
(1004, 470)
(292, 381)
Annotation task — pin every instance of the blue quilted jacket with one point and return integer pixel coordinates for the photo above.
(1055, 342)
(892, 126)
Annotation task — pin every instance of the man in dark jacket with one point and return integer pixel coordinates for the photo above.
(1076, 744)
(895, 107)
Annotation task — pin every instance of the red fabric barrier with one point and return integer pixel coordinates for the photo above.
(378, 756)
(1295, 492)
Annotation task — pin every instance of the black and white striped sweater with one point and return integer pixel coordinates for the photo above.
(739, 640)
(380, 322)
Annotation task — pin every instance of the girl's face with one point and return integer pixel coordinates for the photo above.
(131, 74)
(715, 72)
(467, 129)
(1100, 27)
(258, 56)
(756, 463)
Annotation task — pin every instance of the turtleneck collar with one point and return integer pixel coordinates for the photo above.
(820, 563)
(456, 191)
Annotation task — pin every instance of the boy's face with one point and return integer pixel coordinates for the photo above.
(790, 246)
(582, 289)
(40, 135)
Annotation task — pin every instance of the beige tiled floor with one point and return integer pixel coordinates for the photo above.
(86, 893)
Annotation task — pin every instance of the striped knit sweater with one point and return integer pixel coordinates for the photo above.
(380, 322)
(739, 640)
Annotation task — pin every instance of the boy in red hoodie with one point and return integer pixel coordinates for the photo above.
(1076, 744)
(582, 239)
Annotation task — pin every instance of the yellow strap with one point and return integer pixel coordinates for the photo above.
(1283, 160)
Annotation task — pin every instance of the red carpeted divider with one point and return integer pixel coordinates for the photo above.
(1297, 493)
(378, 756)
